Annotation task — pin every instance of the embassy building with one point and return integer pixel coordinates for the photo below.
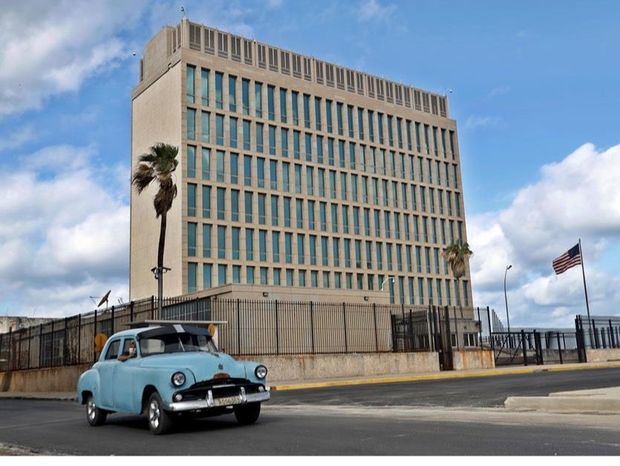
(298, 178)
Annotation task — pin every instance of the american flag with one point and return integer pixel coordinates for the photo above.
(569, 259)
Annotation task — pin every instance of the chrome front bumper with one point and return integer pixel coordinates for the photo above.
(210, 402)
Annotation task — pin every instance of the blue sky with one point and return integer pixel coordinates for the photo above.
(532, 83)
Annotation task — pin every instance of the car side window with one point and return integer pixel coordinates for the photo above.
(127, 344)
(112, 352)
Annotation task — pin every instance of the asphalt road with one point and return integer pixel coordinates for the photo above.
(343, 421)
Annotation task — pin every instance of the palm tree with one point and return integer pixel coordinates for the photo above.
(457, 255)
(157, 166)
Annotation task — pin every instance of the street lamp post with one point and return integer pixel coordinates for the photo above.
(386, 280)
(508, 267)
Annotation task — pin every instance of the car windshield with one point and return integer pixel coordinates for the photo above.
(176, 343)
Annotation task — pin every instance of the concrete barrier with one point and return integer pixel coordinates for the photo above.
(473, 359)
(281, 368)
(603, 355)
(324, 366)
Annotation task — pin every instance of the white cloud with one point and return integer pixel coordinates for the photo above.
(369, 10)
(17, 138)
(49, 48)
(576, 197)
(64, 233)
(482, 121)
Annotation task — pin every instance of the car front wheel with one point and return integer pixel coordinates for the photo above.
(95, 416)
(159, 419)
(247, 414)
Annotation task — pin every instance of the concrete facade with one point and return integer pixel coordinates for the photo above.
(294, 173)
(13, 323)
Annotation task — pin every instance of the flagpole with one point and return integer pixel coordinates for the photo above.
(585, 289)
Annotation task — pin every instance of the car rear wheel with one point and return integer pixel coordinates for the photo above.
(247, 414)
(160, 420)
(95, 416)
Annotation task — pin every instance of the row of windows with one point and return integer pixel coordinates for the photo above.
(313, 112)
(405, 290)
(260, 172)
(250, 244)
(246, 206)
(331, 152)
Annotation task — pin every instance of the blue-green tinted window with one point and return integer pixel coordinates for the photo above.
(204, 86)
(205, 127)
(296, 144)
(246, 135)
(236, 234)
(206, 163)
(298, 179)
(206, 201)
(249, 272)
(262, 245)
(295, 107)
(249, 244)
(263, 275)
(219, 130)
(191, 239)
(289, 277)
(350, 120)
(232, 93)
(409, 140)
(312, 241)
(277, 277)
(191, 161)
(221, 203)
(330, 151)
(288, 247)
(271, 112)
(301, 254)
(339, 118)
(308, 146)
(371, 125)
(287, 211)
(360, 122)
(190, 83)
(319, 149)
(248, 207)
(275, 246)
(352, 163)
(284, 141)
(262, 208)
(317, 112)
(275, 214)
(283, 116)
(191, 123)
(380, 126)
(341, 154)
(286, 180)
(221, 274)
(236, 274)
(259, 137)
(221, 242)
(399, 132)
(233, 132)
(306, 110)
(192, 269)
(336, 251)
(273, 174)
(245, 96)
(220, 165)
(234, 168)
(390, 130)
(260, 172)
(299, 212)
(272, 140)
(324, 250)
(309, 180)
(247, 170)
(234, 205)
(328, 116)
(219, 99)
(207, 271)
(258, 99)
(206, 240)
(191, 200)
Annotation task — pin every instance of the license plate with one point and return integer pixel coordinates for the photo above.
(227, 400)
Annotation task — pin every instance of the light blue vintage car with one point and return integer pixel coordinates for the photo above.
(166, 371)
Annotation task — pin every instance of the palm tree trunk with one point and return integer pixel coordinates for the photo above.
(160, 263)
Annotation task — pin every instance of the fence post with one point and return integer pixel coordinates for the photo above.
(612, 340)
(79, 344)
(490, 329)
(559, 347)
(593, 330)
(312, 325)
(65, 346)
(374, 315)
(9, 366)
(131, 311)
(112, 316)
(40, 345)
(52, 355)
(95, 337)
(344, 318)
(524, 348)
(277, 330)
(152, 307)
(239, 327)
(394, 340)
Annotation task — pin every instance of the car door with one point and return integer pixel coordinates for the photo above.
(126, 391)
(106, 374)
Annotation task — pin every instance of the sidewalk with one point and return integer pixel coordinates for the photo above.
(600, 400)
(367, 380)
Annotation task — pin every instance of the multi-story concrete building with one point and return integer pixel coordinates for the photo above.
(294, 172)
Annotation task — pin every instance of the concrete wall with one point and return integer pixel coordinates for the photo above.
(319, 366)
(603, 355)
(53, 379)
(473, 359)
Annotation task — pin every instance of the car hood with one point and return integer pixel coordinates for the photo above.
(203, 365)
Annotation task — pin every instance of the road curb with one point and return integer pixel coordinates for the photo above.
(439, 376)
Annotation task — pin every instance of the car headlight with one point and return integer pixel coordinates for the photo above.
(260, 372)
(178, 379)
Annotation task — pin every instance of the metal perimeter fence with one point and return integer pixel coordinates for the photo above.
(252, 327)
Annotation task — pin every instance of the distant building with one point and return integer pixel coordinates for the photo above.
(294, 173)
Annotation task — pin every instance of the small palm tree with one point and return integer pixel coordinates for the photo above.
(157, 166)
(457, 255)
